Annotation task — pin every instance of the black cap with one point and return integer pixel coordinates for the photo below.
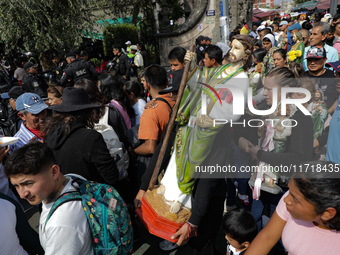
(54, 55)
(174, 82)
(71, 54)
(83, 53)
(14, 92)
(208, 38)
(29, 65)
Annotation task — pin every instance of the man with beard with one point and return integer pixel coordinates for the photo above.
(32, 110)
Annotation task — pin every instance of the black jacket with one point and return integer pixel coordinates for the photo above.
(83, 151)
(122, 65)
(58, 70)
(78, 69)
(34, 83)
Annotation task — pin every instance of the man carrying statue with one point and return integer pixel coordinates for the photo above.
(198, 142)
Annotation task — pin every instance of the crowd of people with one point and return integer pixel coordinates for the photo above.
(99, 124)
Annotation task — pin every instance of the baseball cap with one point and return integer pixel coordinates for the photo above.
(128, 42)
(83, 53)
(29, 65)
(283, 22)
(294, 26)
(133, 47)
(174, 82)
(30, 102)
(14, 92)
(71, 54)
(316, 52)
(335, 65)
(261, 27)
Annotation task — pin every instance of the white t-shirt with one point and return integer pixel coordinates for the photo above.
(19, 73)
(67, 231)
(9, 241)
(139, 109)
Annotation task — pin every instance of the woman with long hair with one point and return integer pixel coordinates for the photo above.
(113, 91)
(76, 146)
(282, 142)
(115, 118)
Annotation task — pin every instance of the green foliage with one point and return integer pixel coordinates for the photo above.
(95, 61)
(46, 24)
(118, 35)
(176, 9)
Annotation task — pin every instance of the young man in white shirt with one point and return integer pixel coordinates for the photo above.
(34, 173)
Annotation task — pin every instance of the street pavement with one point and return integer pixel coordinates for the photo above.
(145, 243)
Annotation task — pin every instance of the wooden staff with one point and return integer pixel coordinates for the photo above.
(171, 124)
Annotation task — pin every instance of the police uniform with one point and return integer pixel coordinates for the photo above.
(122, 67)
(78, 69)
(200, 52)
(59, 70)
(35, 83)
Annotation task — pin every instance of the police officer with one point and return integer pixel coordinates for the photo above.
(58, 66)
(77, 69)
(32, 81)
(121, 65)
(85, 56)
(30, 58)
(200, 48)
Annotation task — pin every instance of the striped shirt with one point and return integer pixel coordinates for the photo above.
(24, 137)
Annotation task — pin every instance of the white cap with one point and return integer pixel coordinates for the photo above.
(128, 42)
(261, 27)
(328, 16)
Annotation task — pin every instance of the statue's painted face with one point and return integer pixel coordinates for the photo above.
(294, 37)
(237, 51)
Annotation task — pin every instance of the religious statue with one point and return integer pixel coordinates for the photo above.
(296, 52)
(319, 111)
(195, 140)
(197, 135)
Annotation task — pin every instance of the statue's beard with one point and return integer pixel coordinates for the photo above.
(234, 59)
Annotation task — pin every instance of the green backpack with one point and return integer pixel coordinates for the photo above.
(106, 213)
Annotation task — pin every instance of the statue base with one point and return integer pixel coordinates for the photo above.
(155, 215)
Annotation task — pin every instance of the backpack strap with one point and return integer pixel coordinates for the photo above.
(163, 100)
(63, 198)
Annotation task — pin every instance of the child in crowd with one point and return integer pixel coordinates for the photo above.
(240, 230)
